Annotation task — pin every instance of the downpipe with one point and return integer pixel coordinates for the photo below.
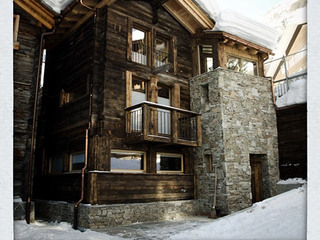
(33, 133)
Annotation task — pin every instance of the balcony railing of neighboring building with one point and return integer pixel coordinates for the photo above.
(153, 122)
(286, 70)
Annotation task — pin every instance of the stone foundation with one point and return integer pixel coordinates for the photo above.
(102, 216)
(19, 208)
(238, 124)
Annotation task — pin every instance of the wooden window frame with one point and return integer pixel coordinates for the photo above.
(16, 23)
(174, 155)
(71, 163)
(255, 64)
(130, 170)
(65, 100)
(50, 164)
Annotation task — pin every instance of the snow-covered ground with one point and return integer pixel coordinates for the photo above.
(279, 218)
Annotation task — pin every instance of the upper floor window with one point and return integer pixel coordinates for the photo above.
(71, 94)
(206, 59)
(161, 51)
(16, 20)
(242, 65)
(140, 46)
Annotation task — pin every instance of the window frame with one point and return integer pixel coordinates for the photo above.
(173, 155)
(148, 37)
(16, 23)
(130, 170)
(65, 93)
(50, 164)
(255, 64)
(71, 162)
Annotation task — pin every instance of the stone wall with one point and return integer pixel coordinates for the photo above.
(102, 216)
(238, 121)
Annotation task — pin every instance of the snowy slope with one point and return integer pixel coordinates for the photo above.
(281, 217)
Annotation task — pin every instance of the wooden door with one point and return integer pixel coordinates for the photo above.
(256, 178)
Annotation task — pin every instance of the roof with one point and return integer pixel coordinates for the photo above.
(195, 15)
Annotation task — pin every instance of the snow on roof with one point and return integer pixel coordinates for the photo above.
(211, 7)
(57, 5)
(246, 28)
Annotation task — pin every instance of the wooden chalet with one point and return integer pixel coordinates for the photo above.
(115, 124)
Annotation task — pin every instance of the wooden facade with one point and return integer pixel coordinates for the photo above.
(292, 138)
(97, 59)
(26, 55)
(131, 98)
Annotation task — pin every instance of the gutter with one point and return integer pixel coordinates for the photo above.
(33, 135)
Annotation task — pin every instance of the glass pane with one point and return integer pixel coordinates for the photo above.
(127, 160)
(139, 46)
(77, 161)
(241, 65)
(169, 162)
(57, 165)
(162, 52)
(206, 60)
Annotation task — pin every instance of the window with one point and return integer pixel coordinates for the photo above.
(206, 59)
(242, 65)
(122, 160)
(77, 161)
(161, 52)
(73, 94)
(16, 20)
(169, 162)
(164, 116)
(139, 46)
(56, 165)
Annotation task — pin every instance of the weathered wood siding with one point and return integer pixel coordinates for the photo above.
(292, 141)
(62, 187)
(68, 65)
(25, 73)
(134, 187)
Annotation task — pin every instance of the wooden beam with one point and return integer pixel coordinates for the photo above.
(230, 42)
(242, 47)
(253, 51)
(37, 11)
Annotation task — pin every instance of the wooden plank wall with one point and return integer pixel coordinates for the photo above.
(116, 55)
(25, 72)
(292, 141)
(68, 65)
(131, 188)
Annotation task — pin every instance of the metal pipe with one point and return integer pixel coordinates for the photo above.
(33, 133)
(76, 206)
(86, 6)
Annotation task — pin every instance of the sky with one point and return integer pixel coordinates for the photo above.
(251, 8)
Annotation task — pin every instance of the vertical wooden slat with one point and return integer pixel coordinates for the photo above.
(174, 126)
(175, 55)
(215, 53)
(175, 99)
(145, 125)
(195, 58)
(129, 40)
(128, 88)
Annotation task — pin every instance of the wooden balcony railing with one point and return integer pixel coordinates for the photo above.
(153, 122)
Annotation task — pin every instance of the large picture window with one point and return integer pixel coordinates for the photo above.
(122, 160)
(169, 162)
(242, 65)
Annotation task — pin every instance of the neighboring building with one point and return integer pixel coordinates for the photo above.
(128, 106)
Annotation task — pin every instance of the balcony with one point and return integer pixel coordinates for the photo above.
(153, 122)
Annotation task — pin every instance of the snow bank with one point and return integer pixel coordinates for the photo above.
(292, 181)
(246, 28)
(281, 217)
(55, 231)
(297, 94)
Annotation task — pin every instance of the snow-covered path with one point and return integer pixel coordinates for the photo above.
(279, 218)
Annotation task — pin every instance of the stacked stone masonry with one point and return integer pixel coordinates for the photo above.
(102, 216)
(238, 121)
